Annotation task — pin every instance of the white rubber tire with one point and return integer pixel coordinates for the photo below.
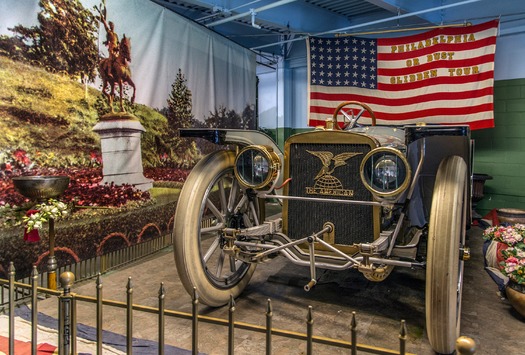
(444, 272)
(188, 246)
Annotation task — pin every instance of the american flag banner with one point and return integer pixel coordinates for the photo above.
(443, 76)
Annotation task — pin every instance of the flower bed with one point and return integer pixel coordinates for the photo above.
(90, 233)
(95, 214)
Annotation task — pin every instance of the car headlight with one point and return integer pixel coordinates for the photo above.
(385, 172)
(256, 166)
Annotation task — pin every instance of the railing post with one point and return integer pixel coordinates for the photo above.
(231, 326)
(103, 263)
(73, 324)
(162, 297)
(34, 310)
(194, 322)
(99, 314)
(402, 337)
(309, 331)
(11, 277)
(64, 317)
(129, 318)
(269, 315)
(354, 334)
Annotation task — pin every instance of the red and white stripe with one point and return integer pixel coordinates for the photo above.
(405, 96)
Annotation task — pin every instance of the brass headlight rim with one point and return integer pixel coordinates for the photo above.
(401, 188)
(274, 164)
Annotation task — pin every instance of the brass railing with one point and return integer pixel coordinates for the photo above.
(67, 320)
(90, 268)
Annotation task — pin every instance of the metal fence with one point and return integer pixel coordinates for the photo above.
(67, 320)
(33, 288)
(67, 336)
(90, 268)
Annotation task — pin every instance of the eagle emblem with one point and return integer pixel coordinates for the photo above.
(325, 182)
(327, 158)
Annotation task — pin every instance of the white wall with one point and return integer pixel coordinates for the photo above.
(267, 100)
(510, 53)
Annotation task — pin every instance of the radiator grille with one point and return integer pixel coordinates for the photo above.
(353, 223)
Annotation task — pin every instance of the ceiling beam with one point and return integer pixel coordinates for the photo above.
(401, 16)
(249, 13)
(393, 18)
(387, 6)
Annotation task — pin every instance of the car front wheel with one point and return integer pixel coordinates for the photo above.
(444, 273)
(211, 200)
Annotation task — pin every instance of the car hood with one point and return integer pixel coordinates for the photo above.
(386, 135)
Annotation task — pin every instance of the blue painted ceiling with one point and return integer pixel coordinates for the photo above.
(274, 27)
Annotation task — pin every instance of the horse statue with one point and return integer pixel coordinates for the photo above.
(116, 71)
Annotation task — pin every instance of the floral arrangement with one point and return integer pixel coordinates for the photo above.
(512, 263)
(34, 218)
(510, 235)
(43, 212)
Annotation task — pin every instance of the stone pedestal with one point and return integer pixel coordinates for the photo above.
(120, 136)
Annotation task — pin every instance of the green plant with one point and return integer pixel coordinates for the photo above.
(10, 215)
(514, 264)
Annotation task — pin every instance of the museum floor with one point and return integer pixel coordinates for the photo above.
(488, 319)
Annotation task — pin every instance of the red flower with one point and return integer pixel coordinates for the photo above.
(32, 236)
(21, 157)
(95, 157)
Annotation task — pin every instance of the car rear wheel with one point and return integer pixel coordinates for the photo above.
(444, 273)
(210, 201)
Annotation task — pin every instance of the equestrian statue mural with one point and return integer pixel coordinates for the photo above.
(115, 69)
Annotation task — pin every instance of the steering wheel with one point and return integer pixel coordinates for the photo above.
(352, 119)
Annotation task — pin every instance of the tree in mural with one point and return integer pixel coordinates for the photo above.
(179, 104)
(224, 118)
(65, 40)
(179, 115)
(248, 118)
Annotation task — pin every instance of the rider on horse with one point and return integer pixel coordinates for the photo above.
(111, 42)
(115, 70)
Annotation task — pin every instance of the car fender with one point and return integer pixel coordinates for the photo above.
(239, 137)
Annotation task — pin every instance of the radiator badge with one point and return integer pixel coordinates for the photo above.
(325, 182)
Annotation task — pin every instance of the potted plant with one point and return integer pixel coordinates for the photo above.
(505, 259)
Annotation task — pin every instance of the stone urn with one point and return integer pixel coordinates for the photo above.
(516, 295)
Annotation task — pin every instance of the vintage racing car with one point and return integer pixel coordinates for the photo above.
(364, 197)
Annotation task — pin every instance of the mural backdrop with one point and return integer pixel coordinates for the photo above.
(53, 57)
(218, 72)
